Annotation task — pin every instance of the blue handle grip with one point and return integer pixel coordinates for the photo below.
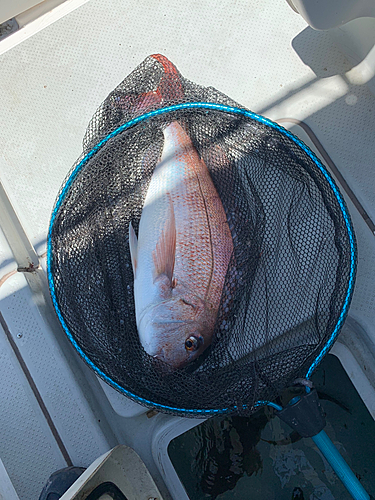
(339, 465)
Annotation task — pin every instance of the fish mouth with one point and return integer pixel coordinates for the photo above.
(168, 365)
(160, 355)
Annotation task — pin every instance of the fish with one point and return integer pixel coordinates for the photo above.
(181, 255)
(169, 89)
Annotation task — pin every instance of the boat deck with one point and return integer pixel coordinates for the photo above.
(54, 411)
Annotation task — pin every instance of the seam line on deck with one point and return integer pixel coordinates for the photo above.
(36, 392)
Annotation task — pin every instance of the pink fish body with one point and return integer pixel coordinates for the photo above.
(181, 256)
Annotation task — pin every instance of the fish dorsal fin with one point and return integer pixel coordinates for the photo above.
(165, 251)
(133, 245)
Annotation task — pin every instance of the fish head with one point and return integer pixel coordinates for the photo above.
(177, 331)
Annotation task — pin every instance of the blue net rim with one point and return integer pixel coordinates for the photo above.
(225, 109)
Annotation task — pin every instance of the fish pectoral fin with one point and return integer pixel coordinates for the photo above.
(165, 250)
(133, 246)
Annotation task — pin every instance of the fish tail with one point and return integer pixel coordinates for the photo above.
(168, 66)
(170, 86)
(137, 104)
(169, 90)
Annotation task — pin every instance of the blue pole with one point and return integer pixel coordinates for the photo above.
(339, 465)
(331, 453)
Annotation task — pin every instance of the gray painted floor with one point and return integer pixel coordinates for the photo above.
(260, 53)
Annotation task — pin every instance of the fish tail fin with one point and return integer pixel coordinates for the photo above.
(133, 246)
(170, 86)
(165, 251)
(169, 89)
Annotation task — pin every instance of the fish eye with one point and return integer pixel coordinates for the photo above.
(193, 342)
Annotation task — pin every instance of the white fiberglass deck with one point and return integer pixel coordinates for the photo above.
(261, 54)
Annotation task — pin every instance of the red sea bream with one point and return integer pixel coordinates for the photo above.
(181, 256)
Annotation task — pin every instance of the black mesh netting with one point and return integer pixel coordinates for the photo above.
(288, 277)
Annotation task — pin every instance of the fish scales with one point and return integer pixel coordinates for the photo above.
(181, 257)
(198, 219)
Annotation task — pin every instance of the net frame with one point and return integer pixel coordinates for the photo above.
(199, 412)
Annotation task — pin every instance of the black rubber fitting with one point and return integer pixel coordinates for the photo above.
(304, 414)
